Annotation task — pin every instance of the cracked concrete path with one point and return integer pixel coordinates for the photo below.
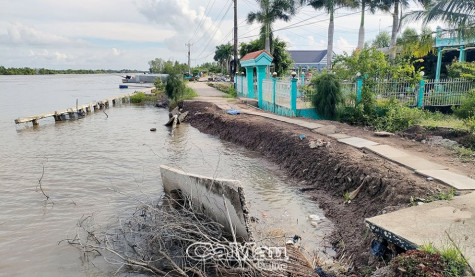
(419, 165)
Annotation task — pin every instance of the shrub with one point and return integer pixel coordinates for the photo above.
(175, 87)
(393, 117)
(328, 95)
(467, 107)
(159, 85)
(461, 70)
(138, 97)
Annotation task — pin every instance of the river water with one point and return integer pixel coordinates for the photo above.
(103, 165)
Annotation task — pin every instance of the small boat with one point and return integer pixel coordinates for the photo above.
(123, 86)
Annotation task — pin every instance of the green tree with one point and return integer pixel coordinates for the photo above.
(222, 55)
(458, 14)
(411, 44)
(397, 16)
(382, 40)
(156, 66)
(271, 11)
(461, 70)
(329, 7)
(175, 87)
(368, 63)
(372, 6)
(282, 60)
(328, 95)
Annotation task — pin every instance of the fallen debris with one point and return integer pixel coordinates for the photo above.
(383, 134)
(233, 112)
(314, 143)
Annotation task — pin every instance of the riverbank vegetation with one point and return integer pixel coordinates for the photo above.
(44, 71)
(226, 88)
(388, 113)
(430, 261)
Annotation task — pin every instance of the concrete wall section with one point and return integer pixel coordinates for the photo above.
(206, 195)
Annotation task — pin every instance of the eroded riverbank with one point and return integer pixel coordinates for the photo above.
(325, 174)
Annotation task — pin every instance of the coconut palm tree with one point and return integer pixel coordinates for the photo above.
(329, 7)
(397, 16)
(372, 6)
(223, 55)
(459, 14)
(271, 11)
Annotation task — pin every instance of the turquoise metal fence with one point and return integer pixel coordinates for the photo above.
(448, 92)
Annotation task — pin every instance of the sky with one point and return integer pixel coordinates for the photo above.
(126, 34)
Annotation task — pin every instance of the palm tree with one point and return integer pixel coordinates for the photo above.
(329, 6)
(459, 14)
(270, 11)
(397, 16)
(223, 55)
(373, 5)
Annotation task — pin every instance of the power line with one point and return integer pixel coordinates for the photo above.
(220, 42)
(216, 29)
(219, 14)
(205, 14)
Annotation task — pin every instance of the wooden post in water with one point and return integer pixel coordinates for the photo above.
(35, 122)
(71, 114)
(106, 103)
(57, 117)
(88, 109)
(113, 102)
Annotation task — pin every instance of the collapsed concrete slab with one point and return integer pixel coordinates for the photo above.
(208, 196)
(443, 223)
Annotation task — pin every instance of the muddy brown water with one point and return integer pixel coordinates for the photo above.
(105, 165)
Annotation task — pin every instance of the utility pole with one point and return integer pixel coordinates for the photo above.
(189, 64)
(235, 63)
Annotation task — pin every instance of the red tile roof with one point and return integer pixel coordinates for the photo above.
(253, 55)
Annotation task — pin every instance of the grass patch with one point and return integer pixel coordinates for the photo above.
(142, 98)
(189, 94)
(464, 154)
(435, 120)
(436, 197)
(226, 88)
(347, 197)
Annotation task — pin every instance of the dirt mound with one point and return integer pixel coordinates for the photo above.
(420, 133)
(323, 173)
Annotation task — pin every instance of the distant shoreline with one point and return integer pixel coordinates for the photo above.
(44, 71)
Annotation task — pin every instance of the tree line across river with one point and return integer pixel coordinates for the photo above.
(44, 71)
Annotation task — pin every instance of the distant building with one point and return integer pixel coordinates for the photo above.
(307, 59)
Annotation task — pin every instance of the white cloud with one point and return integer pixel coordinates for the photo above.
(115, 52)
(342, 45)
(22, 34)
(189, 24)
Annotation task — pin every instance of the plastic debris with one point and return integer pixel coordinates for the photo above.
(322, 273)
(429, 179)
(233, 112)
(302, 137)
(314, 217)
(377, 248)
(316, 142)
(296, 238)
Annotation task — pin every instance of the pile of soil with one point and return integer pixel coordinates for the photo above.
(419, 133)
(325, 174)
